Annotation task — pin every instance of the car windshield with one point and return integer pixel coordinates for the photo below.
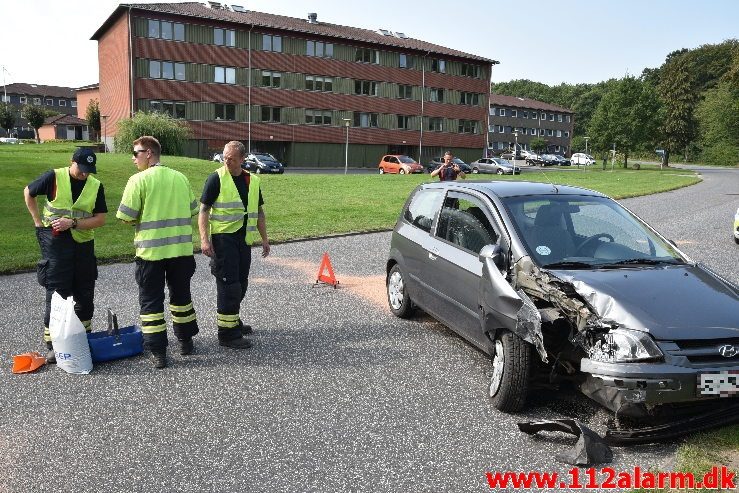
(456, 160)
(406, 160)
(502, 162)
(265, 157)
(573, 231)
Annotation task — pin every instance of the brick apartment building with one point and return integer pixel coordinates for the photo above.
(61, 100)
(290, 86)
(530, 119)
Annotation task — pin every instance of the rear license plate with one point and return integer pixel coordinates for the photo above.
(719, 383)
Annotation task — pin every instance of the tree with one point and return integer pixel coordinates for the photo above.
(170, 132)
(538, 144)
(92, 115)
(718, 118)
(7, 117)
(35, 116)
(627, 115)
(677, 89)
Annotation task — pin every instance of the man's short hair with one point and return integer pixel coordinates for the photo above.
(149, 142)
(448, 152)
(237, 146)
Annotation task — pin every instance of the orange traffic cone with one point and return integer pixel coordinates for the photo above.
(28, 362)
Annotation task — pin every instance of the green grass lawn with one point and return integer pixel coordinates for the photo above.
(297, 205)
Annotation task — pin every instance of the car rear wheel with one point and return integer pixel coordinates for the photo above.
(512, 364)
(382, 171)
(499, 172)
(475, 171)
(397, 294)
(401, 171)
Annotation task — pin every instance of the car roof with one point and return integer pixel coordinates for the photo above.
(514, 188)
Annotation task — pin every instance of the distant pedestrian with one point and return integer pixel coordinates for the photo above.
(75, 207)
(160, 203)
(231, 221)
(449, 170)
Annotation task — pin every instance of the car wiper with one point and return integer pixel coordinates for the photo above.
(567, 264)
(642, 261)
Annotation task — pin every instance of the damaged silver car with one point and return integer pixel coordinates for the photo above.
(560, 283)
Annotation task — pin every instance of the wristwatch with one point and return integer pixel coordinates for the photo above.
(74, 223)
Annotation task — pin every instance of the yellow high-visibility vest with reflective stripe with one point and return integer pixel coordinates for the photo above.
(227, 214)
(62, 205)
(161, 203)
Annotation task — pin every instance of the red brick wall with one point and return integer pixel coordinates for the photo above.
(115, 74)
(83, 99)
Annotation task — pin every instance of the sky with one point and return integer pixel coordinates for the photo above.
(550, 41)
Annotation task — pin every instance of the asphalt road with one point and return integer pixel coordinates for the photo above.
(336, 394)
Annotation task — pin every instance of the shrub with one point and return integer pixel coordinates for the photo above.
(171, 133)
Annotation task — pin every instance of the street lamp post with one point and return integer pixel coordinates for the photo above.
(515, 147)
(586, 144)
(105, 131)
(346, 147)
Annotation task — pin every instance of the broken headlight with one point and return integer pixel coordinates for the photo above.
(623, 346)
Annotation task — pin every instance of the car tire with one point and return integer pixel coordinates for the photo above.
(401, 171)
(499, 172)
(397, 294)
(382, 171)
(259, 171)
(512, 363)
(475, 171)
(736, 240)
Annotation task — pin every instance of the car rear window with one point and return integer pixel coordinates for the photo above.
(423, 207)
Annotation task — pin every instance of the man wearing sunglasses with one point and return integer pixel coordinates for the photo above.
(160, 203)
(75, 206)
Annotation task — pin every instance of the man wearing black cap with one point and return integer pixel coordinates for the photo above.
(75, 206)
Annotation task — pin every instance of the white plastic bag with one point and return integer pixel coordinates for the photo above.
(68, 337)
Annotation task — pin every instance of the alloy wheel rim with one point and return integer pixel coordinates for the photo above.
(395, 290)
(498, 362)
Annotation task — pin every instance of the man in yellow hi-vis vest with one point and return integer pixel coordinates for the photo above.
(160, 203)
(231, 220)
(75, 206)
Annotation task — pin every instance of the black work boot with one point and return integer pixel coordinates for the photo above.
(240, 342)
(51, 357)
(187, 347)
(245, 329)
(159, 359)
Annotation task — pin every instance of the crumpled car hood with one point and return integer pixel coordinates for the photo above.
(670, 302)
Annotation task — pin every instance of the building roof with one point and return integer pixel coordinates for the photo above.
(64, 120)
(41, 90)
(273, 21)
(88, 87)
(532, 104)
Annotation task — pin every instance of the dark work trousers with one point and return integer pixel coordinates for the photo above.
(230, 266)
(151, 276)
(70, 269)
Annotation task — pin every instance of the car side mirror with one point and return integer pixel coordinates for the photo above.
(493, 252)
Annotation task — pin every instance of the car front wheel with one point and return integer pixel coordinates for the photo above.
(475, 171)
(401, 171)
(499, 172)
(512, 364)
(382, 171)
(397, 294)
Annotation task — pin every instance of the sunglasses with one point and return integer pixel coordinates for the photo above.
(136, 153)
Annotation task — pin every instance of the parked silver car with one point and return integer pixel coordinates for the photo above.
(494, 165)
(558, 283)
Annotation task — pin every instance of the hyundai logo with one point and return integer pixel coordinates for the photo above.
(728, 351)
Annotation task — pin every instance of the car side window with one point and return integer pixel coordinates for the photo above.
(423, 207)
(463, 222)
(394, 160)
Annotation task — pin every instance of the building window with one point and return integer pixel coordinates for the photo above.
(22, 100)
(49, 102)
(366, 55)
(225, 112)
(534, 115)
(73, 103)
(225, 75)
(559, 133)
(271, 79)
(37, 101)
(62, 102)
(403, 63)
(436, 95)
(171, 108)
(224, 37)
(320, 49)
(533, 131)
(501, 112)
(525, 114)
(405, 91)
(467, 127)
(568, 118)
(501, 129)
(366, 120)
(271, 114)
(404, 122)
(315, 83)
(438, 65)
(567, 133)
(469, 98)
(522, 130)
(436, 124)
(550, 132)
(166, 70)
(541, 132)
(318, 117)
(514, 114)
(491, 128)
(166, 30)
(272, 43)
(559, 118)
(470, 70)
(551, 117)
(366, 87)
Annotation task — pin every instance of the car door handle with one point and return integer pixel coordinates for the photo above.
(433, 253)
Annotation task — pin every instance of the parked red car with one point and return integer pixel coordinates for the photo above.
(399, 163)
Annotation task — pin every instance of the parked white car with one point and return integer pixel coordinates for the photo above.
(8, 140)
(581, 158)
